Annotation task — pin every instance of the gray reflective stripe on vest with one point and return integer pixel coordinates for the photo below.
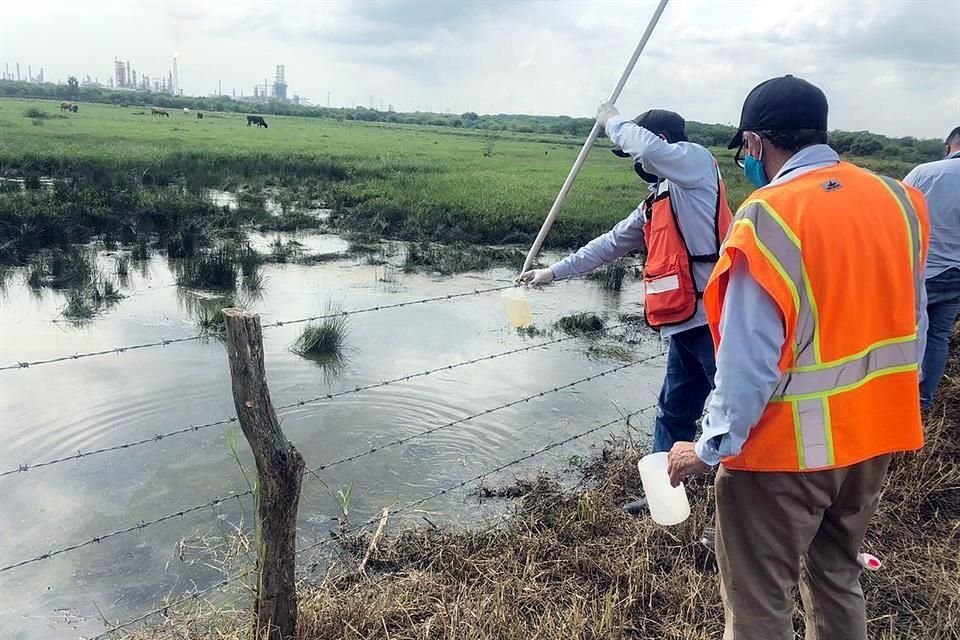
(787, 252)
(815, 450)
(830, 377)
(913, 223)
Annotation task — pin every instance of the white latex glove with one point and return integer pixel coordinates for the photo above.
(536, 277)
(605, 111)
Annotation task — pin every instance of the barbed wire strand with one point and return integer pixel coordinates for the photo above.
(157, 437)
(277, 323)
(415, 436)
(143, 524)
(195, 595)
(417, 503)
(140, 526)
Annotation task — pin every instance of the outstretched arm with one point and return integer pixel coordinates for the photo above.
(625, 237)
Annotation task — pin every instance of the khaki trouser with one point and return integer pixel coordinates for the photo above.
(777, 529)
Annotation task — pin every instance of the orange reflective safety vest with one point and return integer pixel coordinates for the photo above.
(670, 287)
(841, 252)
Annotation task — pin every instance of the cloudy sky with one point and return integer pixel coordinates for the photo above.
(890, 66)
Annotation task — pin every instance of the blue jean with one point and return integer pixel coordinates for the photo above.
(943, 306)
(691, 365)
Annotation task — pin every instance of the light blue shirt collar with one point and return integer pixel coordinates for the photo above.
(809, 158)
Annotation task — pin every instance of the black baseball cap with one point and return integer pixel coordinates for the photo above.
(782, 104)
(659, 121)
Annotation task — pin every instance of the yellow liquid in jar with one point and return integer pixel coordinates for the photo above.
(518, 309)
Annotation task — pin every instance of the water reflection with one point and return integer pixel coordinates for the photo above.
(56, 410)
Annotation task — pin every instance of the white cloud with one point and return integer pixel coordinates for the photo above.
(889, 67)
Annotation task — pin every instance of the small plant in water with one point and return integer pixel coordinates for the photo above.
(216, 269)
(141, 251)
(580, 324)
(62, 269)
(79, 306)
(611, 276)
(122, 266)
(326, 339)
(389, 275)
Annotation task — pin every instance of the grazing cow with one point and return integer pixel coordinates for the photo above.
(157, 111)
(66, 106)
(74, 108)
(185, 110)
(199, 115)
(257, 120)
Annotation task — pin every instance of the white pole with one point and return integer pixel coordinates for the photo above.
(555, 209)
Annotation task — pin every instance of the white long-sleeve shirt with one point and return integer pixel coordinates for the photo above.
(753, 334)
(690, 172)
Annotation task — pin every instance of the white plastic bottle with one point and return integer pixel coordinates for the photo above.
(668, 505)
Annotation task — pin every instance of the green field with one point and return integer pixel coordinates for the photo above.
(129, 174)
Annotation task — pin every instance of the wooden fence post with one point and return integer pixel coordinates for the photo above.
(279, 472)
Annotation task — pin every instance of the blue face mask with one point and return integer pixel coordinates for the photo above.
(753, 169)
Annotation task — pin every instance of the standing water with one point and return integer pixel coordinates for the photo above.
(59, 409)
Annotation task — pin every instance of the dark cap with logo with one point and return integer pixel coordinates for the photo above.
(782, 104)
(659, 121)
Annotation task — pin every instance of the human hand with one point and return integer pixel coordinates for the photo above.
(536, 277)
(683, 461)
(605, 111)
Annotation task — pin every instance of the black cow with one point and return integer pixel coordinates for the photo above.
(257, 120)
(199, 116)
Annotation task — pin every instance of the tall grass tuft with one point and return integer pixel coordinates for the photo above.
(326, 339)
(79, 305)
(611, 276)
(215, 269)
(62, 269)
(141, 250)
(122, 266)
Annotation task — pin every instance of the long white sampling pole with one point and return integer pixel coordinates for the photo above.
(548, 222)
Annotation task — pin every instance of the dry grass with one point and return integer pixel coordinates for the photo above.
(568, 564)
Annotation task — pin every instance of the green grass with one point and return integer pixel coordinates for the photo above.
(214, 269)
(326, 339)
(405, 181)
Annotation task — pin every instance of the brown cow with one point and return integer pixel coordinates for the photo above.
(66, 106)
(157, 111)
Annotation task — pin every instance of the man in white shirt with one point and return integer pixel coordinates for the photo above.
(684, 218)
(939, 182)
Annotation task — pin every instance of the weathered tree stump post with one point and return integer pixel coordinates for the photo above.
(280, 472)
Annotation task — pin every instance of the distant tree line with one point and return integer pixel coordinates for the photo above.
(858, 143)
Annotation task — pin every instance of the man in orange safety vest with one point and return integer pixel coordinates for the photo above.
(817, 310)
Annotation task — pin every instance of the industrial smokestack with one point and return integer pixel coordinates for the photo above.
(18, 72)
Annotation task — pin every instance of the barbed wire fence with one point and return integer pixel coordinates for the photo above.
(196, 594)
(406, 508)
(21, 468)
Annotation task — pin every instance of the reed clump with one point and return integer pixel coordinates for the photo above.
(324, 339)
(611, 276)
